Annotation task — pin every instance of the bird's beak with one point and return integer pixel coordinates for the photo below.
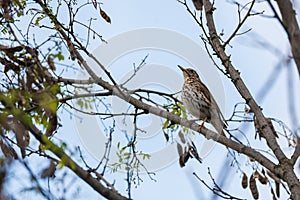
(182, 69)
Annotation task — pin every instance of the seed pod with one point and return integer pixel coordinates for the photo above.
(194, 153)
(95, 3)
(182, 138)
(253, 187)
(262, 179)
(179, 149)
(245, 181)
(166, 136)
(184, 158)
(277, 189)
(105, 16)
(273, 194)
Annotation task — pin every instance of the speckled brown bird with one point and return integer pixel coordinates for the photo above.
(198, 100)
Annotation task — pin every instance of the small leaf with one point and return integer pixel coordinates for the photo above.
(166, 124)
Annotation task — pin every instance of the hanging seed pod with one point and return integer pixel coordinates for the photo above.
(179, 149)
(245, 181)
(277, 189)
(95, 3)
(193, 152)
(184, 158)
(166, 136)
(262, 179)
(273, 194)
(105, 16)
(182, 138)
(253, 187)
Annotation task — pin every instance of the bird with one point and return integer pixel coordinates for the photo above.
(198, 4)
(198, 100)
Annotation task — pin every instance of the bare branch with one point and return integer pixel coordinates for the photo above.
(241, 22)
(216, 189)
(291, 178)
(67, 160)
(290, 25)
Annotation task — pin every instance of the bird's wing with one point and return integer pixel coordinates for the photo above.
(209, 98)
(219, 111)
(204, 90)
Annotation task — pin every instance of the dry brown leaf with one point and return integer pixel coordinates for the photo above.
(22, 135)
(49, 171)
(8, 151)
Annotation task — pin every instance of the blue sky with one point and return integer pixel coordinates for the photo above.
(253, 61)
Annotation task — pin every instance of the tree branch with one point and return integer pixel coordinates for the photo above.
(67, 160)
(290, 25)
(284, 163)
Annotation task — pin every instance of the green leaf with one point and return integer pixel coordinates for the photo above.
(60, 56)
(166, 124)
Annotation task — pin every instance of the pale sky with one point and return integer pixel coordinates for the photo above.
(251, 59)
